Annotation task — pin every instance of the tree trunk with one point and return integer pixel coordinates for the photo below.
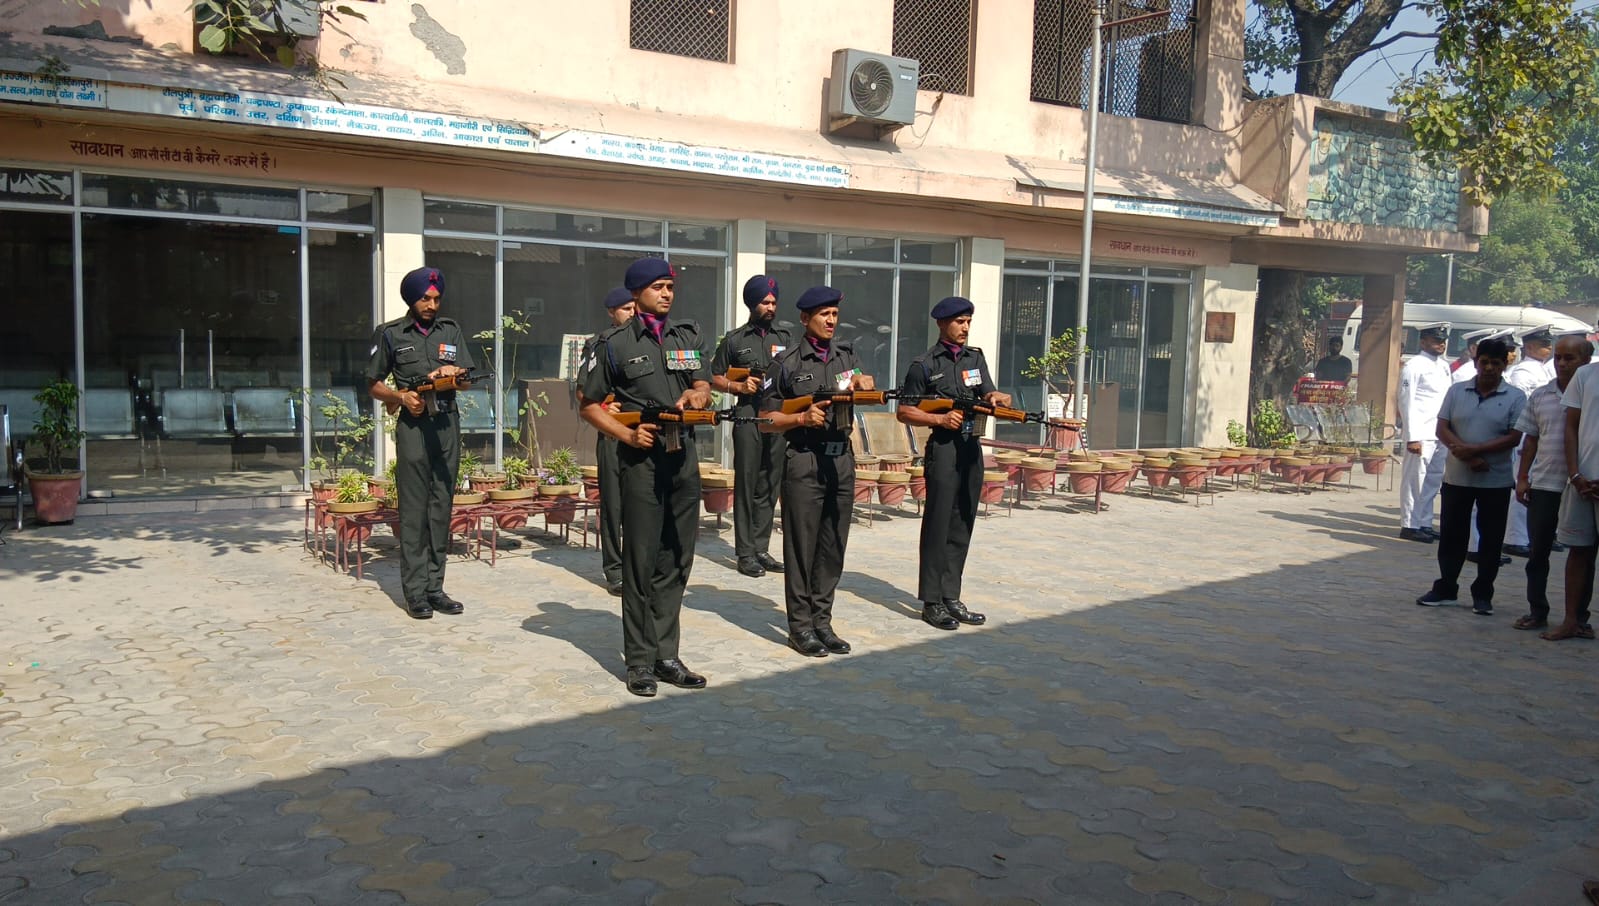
(1280, 331)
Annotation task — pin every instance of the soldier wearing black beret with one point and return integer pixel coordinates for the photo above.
(420, 345)
(619, 308)
(819, 469)
(953, 460)
(652, 362)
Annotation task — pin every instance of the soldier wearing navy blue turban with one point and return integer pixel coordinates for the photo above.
(757, 457)
(652, 362)
(953, 459)
(619, 307)
(422, 345)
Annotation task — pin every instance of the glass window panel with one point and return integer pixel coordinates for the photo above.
(1110, 270)
(702, 294)
(338, 207)
(793, 278)
(35, 186)
(919, 291)
(1027, 264)
(145, 194)
(924, 251)
(796, 244)
(862, 248)
(1179, 273)
(459, 217)
(342, 323)
(225, 319)
(1165, 364)
(469, 293)
(866, 316)
(705, 236)
(1023, 322)
(589, 228)
(1062, 317)
(36, 264)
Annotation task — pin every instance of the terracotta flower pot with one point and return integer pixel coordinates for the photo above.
(716, 491)
(323, 491)
(892, 486)
(1038, 473)
(498, 494)
(469, 499)
(379, 488)
(562, 508)
(508, 521)
(1063, 438)
(55, 496)
(1158, 476)
(560, 490)
(865, 484)
(358, 506)
(1117, 480)
(894, 462)
(591, 488)
(1191, 476)
(918, 483)
(1374, 465)
(490, 482)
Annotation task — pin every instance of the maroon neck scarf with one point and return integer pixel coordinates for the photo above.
(823, 347)
(655, 324)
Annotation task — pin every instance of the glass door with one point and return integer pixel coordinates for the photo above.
(1115, 338)
(1165, 365)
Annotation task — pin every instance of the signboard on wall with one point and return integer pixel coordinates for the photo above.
(1219, 326)
(275, 111)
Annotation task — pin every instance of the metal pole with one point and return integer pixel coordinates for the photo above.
(1449, 283)
(1088, 205)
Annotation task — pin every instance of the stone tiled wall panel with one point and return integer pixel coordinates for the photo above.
(1369, 172)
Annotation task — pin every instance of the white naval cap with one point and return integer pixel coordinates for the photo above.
(1475, 335)
(1438, 329)
(1575, 332)
(1543, 333)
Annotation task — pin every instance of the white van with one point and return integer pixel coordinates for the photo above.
(1463, 319)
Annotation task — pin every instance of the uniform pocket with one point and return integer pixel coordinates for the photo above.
(635, 370)
(408, 356)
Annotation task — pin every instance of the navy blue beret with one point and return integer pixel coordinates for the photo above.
(953, 307)
(818, 296)
(618, 297)
(645, 271)
(757, 288)
(416, 284)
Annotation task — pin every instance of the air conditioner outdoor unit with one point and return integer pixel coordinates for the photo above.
(872, 88)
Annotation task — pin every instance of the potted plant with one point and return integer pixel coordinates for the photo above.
(468, 466)
(562, 480)
(516, 486)
(349, 433)
(55, 486)
(716, 490)
(352, 495)
(1054, 368)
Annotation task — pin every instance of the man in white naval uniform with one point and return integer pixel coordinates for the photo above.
(1422, 384)
(1465, 367)
(1535, 368)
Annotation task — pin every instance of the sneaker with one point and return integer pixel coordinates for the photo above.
(1482, 607)
(1434, 599)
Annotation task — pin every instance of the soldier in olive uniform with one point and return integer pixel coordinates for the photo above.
(953, 459)
(619, 307)
(422, 345)
(819, 471)
(757, 457)
(652, 362)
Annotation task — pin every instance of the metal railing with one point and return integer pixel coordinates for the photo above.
(1148, 65)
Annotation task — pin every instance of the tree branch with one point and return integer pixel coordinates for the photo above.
(1391, 39)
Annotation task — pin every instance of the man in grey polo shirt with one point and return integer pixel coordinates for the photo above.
(1477, 424)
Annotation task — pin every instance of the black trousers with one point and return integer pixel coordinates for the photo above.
(427, 454)
(818, 502)
(954, 482)
(660, 519)
(1493, 508)
(758, 461)
(605, 457)
(1543, 519)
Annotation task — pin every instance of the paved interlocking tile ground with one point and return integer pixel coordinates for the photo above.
(1171, 704)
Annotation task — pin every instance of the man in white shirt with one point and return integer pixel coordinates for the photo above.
(1579, 506)
(1541, 475)
(1535, 368)
(1465, 367)
(1422, 384)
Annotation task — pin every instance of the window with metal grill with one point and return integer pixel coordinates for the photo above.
(1147, 67)
(938, 33)
(688, 28)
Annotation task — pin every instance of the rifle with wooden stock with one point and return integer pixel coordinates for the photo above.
(852, 397)
(971, 406)
(430, 388)
(739, 373)
(669, 415)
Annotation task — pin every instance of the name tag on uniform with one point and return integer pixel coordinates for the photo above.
(446, 352)
(682, 359)
(972, 377)
(804, 378)
(777, 350)
(844, 377)
(933, 377)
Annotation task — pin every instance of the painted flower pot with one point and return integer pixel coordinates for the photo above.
(55, 496)
(1158, 476)
(379, 488)
(892, 486)
(867, 463)
(563, 507)
(1063, 437)
(490, 482)
(1374, 465)
(508, 521)
(994, 484)
(499, 494)
(357, 506)
(1117, 480)
(1191, 476)
(865, 484)
(894, 462)
(1082, 476)
(591, 488)
(321, 491)
(716, 491)
(918, 483)
(1038, 473)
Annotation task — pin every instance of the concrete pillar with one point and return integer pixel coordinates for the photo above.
(1381, 329)
(982, 281)
(1220, 390)
(401, 242)
(749, 259)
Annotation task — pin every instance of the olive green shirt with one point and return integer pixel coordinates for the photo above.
(751, 347)
(401, 348)
(802, 371)
(629, 364)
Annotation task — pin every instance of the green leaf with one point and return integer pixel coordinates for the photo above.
(286, 57)
(213, 39)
